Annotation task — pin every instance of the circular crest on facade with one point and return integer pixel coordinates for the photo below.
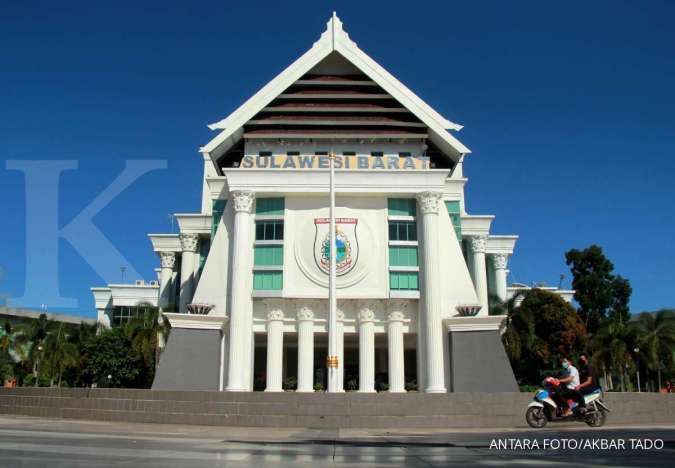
(347, 245)
(311, 250)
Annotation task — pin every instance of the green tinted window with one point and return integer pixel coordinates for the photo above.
(404, 280)
(269, 206)
(269, 230)
(403, 256)
(402, 207)
(268, 255)
(402, 230)
(217, 213)
(455, 217)
(204, 248)
(268, 280)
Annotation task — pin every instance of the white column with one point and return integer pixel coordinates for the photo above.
(340, 337)
(189, 243)
(478, 245)
(366, 350)
(175, 288)
(223, 360)
(421, 343)
(395, 348)
(305, 349)
(499, 262)
(429, 203)
(103, 316)
(241, 316)
(168, 261)
(275, 350)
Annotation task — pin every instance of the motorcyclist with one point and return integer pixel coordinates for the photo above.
(568, 383)
(588, 379)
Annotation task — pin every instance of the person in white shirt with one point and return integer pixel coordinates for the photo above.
(568, 384)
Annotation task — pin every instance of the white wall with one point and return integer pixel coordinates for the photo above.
(302, 276)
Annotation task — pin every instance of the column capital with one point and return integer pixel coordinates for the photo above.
(188, 242)
(275, 315)
(429, 201)
(305, 314)
(366, 313)
(167, 259)
(500, 261)
(396, 316)
(478, 244)
(242, 200)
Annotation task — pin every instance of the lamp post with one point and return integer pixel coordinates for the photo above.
(637, 354)
(332, 359)
(37, 366)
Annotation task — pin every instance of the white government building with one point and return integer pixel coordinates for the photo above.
(245, 282)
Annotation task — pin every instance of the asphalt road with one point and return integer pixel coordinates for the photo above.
(34, 442)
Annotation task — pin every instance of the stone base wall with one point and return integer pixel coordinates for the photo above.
(319, 410)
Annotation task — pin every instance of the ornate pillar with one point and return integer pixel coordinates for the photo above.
(395, 347)
(167, 261)
(366, 349)
(478, 245)
(188, 243)
(305, 349)
(429, 203)
(340, 350)
(241, 313)
(499, 262)
(275, 349)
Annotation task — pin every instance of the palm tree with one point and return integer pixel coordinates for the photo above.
(613, 344)
(519, 336)
(60, 354)
(13, 341)
(146, 332)
(658, 339)
(525, 349)
(38, 331)
(12, 349)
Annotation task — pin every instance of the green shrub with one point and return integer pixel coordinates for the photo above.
(290, 383)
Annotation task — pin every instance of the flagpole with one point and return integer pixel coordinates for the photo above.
(332, 359)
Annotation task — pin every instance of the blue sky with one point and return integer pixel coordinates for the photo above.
(568, 109)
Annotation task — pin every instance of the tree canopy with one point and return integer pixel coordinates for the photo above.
(542, 330)
(598, 291)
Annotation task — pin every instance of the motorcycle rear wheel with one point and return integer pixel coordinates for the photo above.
(536, 417)
(596, 419)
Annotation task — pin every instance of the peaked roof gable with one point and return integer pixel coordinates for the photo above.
(335, 39)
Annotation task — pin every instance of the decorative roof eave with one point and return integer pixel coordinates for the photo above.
(194, 223)
(165, 242)
(334, 38)
(501, 244)
(476, 225)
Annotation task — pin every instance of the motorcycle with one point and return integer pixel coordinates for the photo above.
(544, 407)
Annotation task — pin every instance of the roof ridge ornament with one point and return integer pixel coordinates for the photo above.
(334, 31)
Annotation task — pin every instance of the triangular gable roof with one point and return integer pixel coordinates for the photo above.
(335, 39)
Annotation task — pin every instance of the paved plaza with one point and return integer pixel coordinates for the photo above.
(35, 442)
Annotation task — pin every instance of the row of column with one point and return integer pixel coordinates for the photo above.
(479, 270)
(305, 326)
(189, 262)
(431, 321)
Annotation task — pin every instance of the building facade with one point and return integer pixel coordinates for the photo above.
(245, 282)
